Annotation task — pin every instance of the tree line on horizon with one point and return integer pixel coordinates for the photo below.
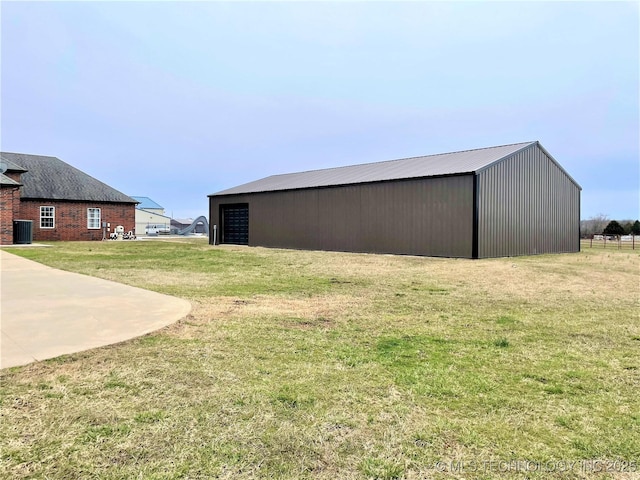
(601, 224)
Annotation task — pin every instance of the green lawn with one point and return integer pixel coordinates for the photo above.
(334, 365)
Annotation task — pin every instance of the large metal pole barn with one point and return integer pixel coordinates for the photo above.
(499, 201)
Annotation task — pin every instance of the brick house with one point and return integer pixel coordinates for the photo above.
(63, 202)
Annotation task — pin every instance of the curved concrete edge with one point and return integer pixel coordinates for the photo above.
(47, 312)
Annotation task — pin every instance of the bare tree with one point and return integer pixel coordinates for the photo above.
(594, 225)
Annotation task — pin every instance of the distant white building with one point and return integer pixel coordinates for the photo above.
(150, 217)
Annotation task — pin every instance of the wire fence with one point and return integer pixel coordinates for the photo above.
(618, 242)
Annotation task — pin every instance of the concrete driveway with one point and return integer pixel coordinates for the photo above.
(47, 312)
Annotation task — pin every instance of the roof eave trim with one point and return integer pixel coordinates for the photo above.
(75, 200)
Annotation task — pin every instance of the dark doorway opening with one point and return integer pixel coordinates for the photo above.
(235, 223)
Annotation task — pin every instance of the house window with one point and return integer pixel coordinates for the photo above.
(47, 217)
(93, 218)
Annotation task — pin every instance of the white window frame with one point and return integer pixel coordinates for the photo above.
(47, 212)
(97, 225)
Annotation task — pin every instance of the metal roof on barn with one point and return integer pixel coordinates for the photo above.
(445, 164)
(52, 179)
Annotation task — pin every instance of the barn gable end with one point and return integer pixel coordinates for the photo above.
(527, 204)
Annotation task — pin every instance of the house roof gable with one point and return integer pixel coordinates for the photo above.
(52, 179)
(10, 166)
(8, 182)
(445, 164)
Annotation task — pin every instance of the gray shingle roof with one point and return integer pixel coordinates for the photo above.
(4, 180)
(11, 167)
(468, 161)
(51, 178)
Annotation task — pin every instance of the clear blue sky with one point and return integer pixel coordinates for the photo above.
(176, 101)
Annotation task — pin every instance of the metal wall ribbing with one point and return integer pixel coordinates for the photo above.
(522, 204)
(429, 216)
(527, 205)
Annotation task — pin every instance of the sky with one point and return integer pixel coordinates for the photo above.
(178, 100)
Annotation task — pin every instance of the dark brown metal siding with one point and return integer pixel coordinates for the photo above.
(432, 216)
(527, 205)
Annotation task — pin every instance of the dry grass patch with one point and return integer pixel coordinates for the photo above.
(333, 365)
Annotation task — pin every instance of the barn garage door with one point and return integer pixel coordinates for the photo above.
(235, 224)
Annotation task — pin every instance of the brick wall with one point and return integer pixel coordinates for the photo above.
(13, 175)
(71, 219)
(9, 208)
